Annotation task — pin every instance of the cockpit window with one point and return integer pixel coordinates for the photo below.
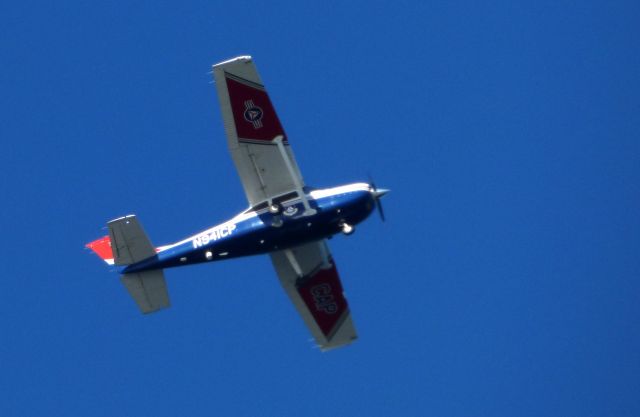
(278, 200)
(257, 207)
(285, 197)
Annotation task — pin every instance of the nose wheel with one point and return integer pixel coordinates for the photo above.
(347, 229)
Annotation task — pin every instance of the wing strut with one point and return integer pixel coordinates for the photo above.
(294, 263)
(308, 211)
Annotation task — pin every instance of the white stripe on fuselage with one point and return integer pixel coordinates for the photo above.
(343, 189)
(230, 225)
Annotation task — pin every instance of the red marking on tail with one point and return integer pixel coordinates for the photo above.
(102, 248)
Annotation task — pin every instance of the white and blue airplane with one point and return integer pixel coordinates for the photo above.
(285, 219)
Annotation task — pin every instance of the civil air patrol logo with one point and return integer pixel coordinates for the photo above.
(290, 211)
(253, 114)
(324, 299)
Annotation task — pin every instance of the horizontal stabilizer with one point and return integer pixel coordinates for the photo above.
(129, 242)
(148, 289)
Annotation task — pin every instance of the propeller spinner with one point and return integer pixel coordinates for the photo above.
(378, 193)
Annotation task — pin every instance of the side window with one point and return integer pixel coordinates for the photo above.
(278, 200)
(257, 207)
(286, 197)
(260, 206)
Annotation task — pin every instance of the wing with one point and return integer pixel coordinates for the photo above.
(251, 125)
(310, 278)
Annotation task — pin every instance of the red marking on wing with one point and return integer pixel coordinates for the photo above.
(265, 124)
(102, 247)
(322, 293)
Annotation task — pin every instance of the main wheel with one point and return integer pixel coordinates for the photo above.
(274, 208)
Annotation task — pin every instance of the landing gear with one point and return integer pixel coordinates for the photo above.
(274, 208)
(347, 229)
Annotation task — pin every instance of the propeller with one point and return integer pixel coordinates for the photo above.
(378, 193)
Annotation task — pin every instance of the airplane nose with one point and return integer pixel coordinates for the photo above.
(379, 192)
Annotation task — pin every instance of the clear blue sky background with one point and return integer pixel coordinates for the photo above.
(504, 283)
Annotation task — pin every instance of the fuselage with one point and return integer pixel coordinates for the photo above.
(258, 231)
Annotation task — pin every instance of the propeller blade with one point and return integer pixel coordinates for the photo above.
(378, 193)
(380, 210)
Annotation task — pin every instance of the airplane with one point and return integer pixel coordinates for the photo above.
(286, 219)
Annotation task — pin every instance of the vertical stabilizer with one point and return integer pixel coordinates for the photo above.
(102, 248)
(128, 244)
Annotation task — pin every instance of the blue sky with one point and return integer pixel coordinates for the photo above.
(504, 282)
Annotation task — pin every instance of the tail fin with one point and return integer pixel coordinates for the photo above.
(102, 248)
(126, 244)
